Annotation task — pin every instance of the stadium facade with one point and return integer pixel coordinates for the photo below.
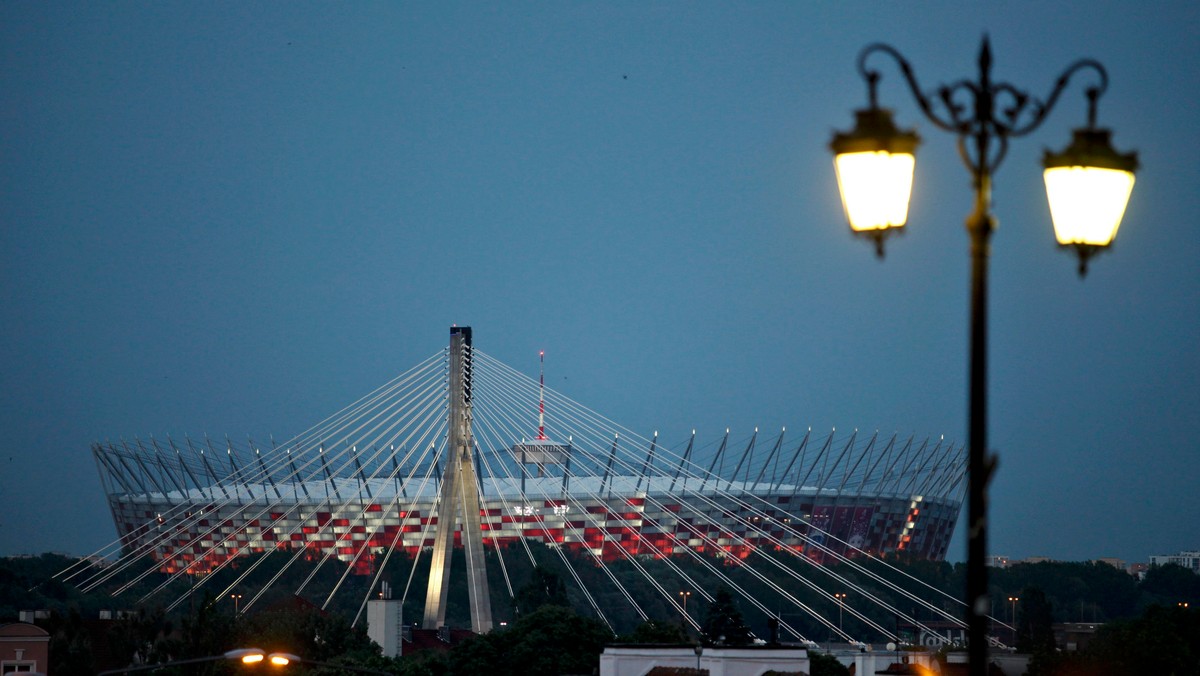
(193, 511)
(454, 435)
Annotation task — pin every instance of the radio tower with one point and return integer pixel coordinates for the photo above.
(542, 395)
(541, 451)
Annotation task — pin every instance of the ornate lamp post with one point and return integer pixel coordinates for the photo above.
(1088, 185)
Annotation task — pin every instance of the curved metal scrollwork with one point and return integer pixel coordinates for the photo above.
(982, 113)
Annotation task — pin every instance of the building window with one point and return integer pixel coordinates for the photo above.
(17, 667)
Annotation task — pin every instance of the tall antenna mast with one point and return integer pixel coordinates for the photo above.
(541, 451)
(542, 395)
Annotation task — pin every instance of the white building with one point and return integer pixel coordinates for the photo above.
(638, 660)
(1189, 560)
(385, 624)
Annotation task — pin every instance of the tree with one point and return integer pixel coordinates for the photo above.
(308, 632)
(205, 631)
(1035, 623)
(70, 645)
(427, 663)
(723, 623)
(655, 631)
(1164, 640)
(142, 637)
(1171, 584)
(551, 640)
(545, 588)
(822, 664)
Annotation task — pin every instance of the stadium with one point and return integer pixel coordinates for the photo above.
(464, 437)
(213, 517)
(368, 479)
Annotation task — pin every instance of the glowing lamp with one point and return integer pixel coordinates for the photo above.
(245, 655)
(283, 659)
(1088, 186)
(874, 164)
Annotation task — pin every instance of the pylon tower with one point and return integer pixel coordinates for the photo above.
(459, 491)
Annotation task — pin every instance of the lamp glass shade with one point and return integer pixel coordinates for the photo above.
(246, 655)
(876, 187)
(1087, 203)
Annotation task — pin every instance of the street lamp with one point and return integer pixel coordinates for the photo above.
(236, 599)
(1088, 185)
(282, 659)
(684, 595)
(841, 599)
(243, 655)
(1013, 616)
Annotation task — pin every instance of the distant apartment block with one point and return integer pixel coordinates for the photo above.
(1189, 560)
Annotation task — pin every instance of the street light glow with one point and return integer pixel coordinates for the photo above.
(1087, 203)
(246, 655)
(875, 187)
(874, 163)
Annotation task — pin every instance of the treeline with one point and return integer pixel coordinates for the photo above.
(536, 576)
(1092, 592)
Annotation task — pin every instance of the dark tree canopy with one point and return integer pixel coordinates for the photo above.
(723, 623)
(544, 588)
(549, 641)
(1164, 640)
(1035, 623)
(1171, 584)
(822, 664)
(655, 631)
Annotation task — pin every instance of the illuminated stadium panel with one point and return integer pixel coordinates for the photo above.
(613, 518)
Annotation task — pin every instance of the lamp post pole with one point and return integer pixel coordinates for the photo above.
(841, 599)
(285, 659)
(984, 115)
(1013, 616)
(243, 655)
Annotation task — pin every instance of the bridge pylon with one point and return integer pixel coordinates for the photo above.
(459, 491)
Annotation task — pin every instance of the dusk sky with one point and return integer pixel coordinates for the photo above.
(235, 219)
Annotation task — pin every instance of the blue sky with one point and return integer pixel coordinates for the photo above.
(235, 219)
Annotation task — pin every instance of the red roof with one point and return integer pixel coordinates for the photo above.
(23, 629)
